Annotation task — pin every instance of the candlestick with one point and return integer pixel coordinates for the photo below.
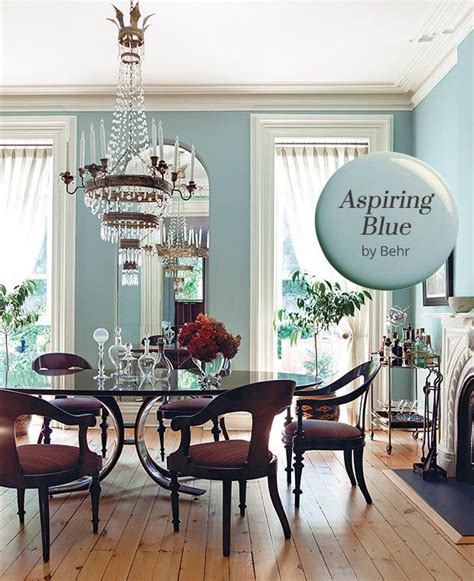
(208, 239)
(176, 154)
(200, 236)
(193, 155)
(153, 137)
(161, 140)
(67, 154)
(103, 144)
(82, 159)
(92, 144)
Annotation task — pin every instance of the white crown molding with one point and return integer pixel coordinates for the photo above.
(298, 97)
(431, 61)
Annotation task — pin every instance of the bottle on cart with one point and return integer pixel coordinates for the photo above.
(396, 354)
(407, 347)
(387, 349)
(382, 347)
(420, 350)
(431, 356)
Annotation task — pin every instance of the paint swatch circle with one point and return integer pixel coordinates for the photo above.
(386, 221)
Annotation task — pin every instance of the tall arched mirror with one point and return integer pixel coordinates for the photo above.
(169, 287)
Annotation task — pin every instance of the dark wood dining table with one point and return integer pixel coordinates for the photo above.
(182, 383)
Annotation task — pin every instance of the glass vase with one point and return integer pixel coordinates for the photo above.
(209, 371)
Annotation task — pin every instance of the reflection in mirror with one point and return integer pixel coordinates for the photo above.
(171, 290)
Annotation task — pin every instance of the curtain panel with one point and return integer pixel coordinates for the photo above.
(25, 185)
(301, 171)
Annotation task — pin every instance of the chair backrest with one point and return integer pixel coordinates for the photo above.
(59, 364)
(153, 340)
(367, 371)
(263, 401)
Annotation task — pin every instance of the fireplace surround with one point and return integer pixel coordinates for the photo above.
(457, 367)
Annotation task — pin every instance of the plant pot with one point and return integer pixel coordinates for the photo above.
(321, 411)
(22, 425)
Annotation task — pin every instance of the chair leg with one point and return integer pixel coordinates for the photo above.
(94, 490)
(298, 465)
(44, 517)
(215, 429)
(175, 500)
(242, 496)
(359, 470)
(45, 434)
(349, 468)
(103, 431)
(223, 428)
(289, 457)
(20, 494)
(276, 501)
(226, 505)
(161, 433)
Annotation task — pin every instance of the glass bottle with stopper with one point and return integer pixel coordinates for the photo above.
(129, 360)
(146, 362)
(163, 366)
(117, 352)
(101, 336)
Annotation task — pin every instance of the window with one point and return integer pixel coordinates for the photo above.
(193, 285)
(302, 168)
(26, 209)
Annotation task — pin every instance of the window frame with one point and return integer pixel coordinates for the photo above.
(61, 131)
(265, 130)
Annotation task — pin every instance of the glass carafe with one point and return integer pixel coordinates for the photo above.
(117, 352)
(163, 366)
(146, 362)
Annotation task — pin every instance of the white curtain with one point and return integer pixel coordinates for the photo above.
(301, 171)
(25, 184)
(151, 296)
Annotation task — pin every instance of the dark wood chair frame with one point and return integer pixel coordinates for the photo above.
(263, 401)
(218, 424)
(353, 448)
(57, 364)
(14, 404)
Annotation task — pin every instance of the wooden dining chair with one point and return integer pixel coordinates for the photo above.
(303, 434)
(233, 460)
(56, 364)
(170, 409)
(38, 466)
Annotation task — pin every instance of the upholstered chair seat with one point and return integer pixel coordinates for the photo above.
(37, 459)
(223, 454)
(77, 404)
(192, 405)
(324, 430)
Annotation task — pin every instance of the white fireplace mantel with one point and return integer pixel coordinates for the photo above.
(457, 365)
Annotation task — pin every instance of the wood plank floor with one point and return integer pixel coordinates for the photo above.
(335, 534)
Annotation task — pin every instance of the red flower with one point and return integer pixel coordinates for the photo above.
(206, 337)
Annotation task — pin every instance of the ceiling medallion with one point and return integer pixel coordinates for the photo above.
(131, 176)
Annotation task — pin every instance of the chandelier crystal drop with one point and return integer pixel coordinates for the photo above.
(130, 273)
(131, 175)
(130, 251)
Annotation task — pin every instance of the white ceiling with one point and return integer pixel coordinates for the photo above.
(302, 44)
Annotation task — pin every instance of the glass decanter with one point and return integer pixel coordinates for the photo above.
(129, 372)
(163, 366)
(146, 362)
(117, 352)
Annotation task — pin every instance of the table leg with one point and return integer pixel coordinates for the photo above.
(159, 474)
(115, 414)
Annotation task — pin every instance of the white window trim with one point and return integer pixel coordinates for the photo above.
(265, 129)
(61, 131)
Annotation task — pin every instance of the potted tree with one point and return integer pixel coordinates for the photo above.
(320, 305)
(16, 317)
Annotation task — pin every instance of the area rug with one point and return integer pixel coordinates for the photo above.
(449, 504)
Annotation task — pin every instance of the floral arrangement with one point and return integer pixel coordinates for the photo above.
(206, 337)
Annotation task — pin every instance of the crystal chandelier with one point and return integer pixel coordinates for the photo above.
(131, 186)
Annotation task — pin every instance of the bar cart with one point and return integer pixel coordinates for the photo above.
(387, 417)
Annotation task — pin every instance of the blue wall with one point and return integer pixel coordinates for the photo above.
(223, 142)
(443, 129)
